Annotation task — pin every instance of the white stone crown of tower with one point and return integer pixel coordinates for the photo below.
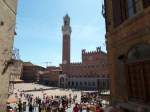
(66, 29)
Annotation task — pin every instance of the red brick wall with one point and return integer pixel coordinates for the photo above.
(51, 73)
(29, 72)
(94, 64)
(66, 48)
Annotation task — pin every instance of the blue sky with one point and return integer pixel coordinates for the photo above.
(39, 36)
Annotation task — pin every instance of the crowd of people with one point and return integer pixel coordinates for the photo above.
(27, 102)
(89, 102)
(30, 103)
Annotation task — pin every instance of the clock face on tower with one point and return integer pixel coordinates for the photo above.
(64, 62)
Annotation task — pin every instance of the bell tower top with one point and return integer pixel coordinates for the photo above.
(66, 20)
(66, 29)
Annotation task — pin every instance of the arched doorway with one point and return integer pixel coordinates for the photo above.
(138, 73)
(62, 82)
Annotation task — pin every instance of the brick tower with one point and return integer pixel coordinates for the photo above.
(66, 31)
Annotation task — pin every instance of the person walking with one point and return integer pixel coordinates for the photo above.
(76, 109)
(20, 106)
(40, 107)
(30, 107)
(35, 106)
(80, 107)
(24, 107)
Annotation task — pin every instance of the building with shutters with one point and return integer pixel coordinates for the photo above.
(128, 46)
(90, 74)
(7, 31)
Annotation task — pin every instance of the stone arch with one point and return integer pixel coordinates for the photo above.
(139, 51)
(62, 82)
(138, 66)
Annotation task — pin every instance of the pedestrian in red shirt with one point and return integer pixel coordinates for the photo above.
(76, 109)
(98, 109)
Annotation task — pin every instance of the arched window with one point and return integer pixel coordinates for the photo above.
(138, 72)
(139, 52)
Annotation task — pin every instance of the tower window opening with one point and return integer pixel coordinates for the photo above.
(65, 22)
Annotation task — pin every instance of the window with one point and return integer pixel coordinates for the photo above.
(103, 84)
(93, 83)
(131, 8)
(76, 83)
(65, 22)
(68, 83)
(122, 10)
(80, 83)
(117, 18)
(72, 83)
(85, 83)
(146, 3)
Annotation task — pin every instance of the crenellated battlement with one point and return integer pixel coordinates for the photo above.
(76, 63)
(98, 50)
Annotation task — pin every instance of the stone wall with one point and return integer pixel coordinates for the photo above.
(7, 30)
(16, 70)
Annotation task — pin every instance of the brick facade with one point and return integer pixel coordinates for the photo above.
(128, 45)
(50, 76)
(93, 65)
(30, 71)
